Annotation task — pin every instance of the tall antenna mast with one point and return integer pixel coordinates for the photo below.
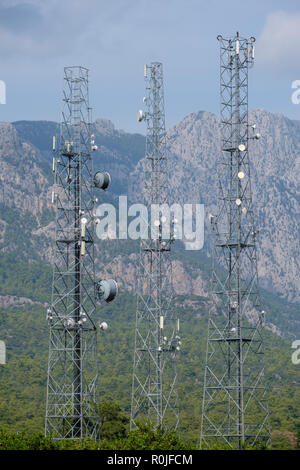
(235, 406)
(72, 409)
(154, 382)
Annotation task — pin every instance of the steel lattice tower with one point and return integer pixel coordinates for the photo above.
(72, 396)
(154, 383)
(235, 405)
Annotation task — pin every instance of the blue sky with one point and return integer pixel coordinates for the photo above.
(114, 38)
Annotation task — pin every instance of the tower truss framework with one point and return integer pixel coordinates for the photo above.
(72, 395)
(154, 382)
(235, 409)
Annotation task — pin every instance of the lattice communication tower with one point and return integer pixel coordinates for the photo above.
(157, 341)
(235, 405)
(72, 409)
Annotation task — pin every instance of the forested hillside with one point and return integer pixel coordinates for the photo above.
(26, 254)
(23, 379)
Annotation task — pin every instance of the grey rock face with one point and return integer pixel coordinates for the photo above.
(193, 146)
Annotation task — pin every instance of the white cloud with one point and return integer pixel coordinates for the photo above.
(278, 45)
(55, 28)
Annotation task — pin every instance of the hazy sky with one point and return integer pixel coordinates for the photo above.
(114, 38)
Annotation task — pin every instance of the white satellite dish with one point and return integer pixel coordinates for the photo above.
(238, 202)
(244, 210)
(144, 99)
(156, 223)
(107, 289)
(241, 175)
(102, 180)
(140, 115)
(70, 323)
(84, 220)
(103, 326)
(242, 148)
(163, 219)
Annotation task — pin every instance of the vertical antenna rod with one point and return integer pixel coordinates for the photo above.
(235, 406)
(154, 382)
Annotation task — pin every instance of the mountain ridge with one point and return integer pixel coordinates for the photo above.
(192, 145)
(26, 254)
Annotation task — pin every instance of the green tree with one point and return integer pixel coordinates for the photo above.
(113, 421)
(298, 440)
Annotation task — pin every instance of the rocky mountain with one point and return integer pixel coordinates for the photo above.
(118, 150)
(275, 162)
(193, 147)
(26, 220)
(26, 252)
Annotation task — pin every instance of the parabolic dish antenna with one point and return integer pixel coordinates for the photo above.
(107, 289)
(102, 180)
(103, 326)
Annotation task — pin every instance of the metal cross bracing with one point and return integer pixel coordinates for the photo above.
(72, 396)
(235, 409)
(157, 341)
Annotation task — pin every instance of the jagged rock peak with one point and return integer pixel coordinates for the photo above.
(104, 126)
